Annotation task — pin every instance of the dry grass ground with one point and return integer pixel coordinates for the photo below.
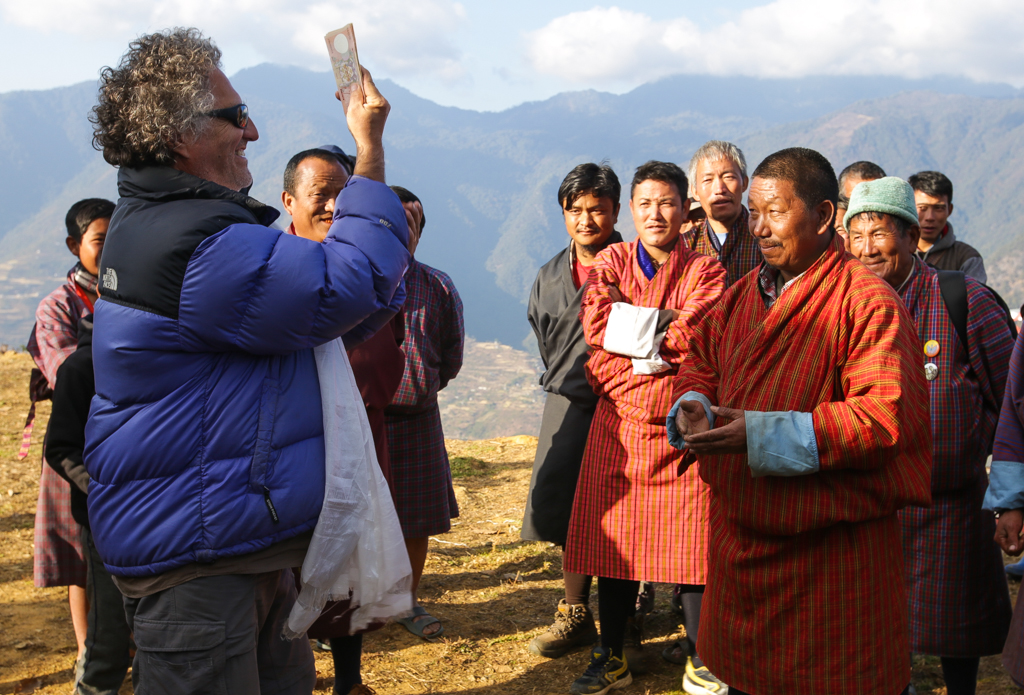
(492, 591)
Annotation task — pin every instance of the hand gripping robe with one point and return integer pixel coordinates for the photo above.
(634, 516)
(805, 592)
(959, 603)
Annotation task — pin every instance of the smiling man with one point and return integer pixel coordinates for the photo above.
(718, 180)
(312, 181)
(634, 517)
(207, 469)
(803, 400)
(959, 604)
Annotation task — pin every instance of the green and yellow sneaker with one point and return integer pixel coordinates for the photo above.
(606, 672)
(700, 681)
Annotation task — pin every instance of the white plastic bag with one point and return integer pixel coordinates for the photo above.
(357, 550)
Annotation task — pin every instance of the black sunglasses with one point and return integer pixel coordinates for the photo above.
(238, 115)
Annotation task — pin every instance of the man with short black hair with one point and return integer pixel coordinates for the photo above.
(634, 516)
(718, 179)
(312, 181)
(959, 604)
(421, 476)
(848, 179)
(803, 399)
(589, 200)
(938, 245)
(60, 555)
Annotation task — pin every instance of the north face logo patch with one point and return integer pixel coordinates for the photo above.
(110, 279)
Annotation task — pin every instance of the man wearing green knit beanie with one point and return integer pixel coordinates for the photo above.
(959, 606)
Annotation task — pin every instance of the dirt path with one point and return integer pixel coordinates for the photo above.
(492, 591)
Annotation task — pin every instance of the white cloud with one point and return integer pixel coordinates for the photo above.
(789, 38)
(398, 37)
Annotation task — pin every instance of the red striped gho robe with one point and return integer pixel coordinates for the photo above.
(805, 591)
(634, 516)
(959, 604)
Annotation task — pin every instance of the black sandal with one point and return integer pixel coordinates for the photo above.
(677, 600)
(669, 653)
(645, 598)
(416, 626)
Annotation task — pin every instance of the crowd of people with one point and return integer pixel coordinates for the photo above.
(783, 409)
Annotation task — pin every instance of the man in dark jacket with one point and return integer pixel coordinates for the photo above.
(105, 662)
(938, 245)
(589, 197)
(207, 468)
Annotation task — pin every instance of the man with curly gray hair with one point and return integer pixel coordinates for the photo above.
(207, 470)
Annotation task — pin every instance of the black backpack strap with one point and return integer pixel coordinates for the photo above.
(1002, 305)
(954, 294)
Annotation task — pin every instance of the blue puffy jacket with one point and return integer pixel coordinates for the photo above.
(205, 438)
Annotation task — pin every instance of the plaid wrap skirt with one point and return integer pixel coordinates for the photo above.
(59, 556)
(959, 603)
(634, 516)
(420, 473)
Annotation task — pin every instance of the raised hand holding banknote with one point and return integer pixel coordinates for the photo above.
(341, 47)
(365, 109)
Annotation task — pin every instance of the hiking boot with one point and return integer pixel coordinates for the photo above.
(633, 644)
(605, 673)
(700, 681)
(573, 627)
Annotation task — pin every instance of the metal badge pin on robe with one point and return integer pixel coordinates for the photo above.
(931, 370)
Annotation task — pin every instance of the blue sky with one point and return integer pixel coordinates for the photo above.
(490, 55)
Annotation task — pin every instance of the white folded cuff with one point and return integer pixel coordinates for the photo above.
(632, 331)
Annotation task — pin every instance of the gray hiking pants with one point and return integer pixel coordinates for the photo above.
(220, 636)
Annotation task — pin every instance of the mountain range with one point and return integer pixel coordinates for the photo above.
(488, 180)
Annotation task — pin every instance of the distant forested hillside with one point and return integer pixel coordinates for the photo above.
(488, 180)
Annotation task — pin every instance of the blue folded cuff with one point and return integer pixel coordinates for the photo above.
(676, 439)
(781, 444)
(1005, 486)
